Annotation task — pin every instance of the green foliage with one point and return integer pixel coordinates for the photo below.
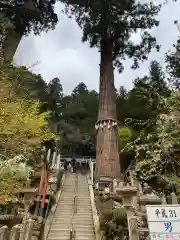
(112, 222)
(146, 97)
(4, 24)
(156, 153)
(30, 15)
(124, 135)
(22, 126)
(25, 83)
(14, 173)
(76, 120)
(173, 65)
(114, 22)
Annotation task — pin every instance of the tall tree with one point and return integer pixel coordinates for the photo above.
(158, 79)
(26, 15)
(146, 96)
(80, 89)
(122, 96)
(55, 96)
(79, 114)
(109, 25)
(173, 65)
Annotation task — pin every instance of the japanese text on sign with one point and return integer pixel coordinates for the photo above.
(164, 221)
(165, 214)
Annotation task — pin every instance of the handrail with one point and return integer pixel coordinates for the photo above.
(72, 230)
(57, 201)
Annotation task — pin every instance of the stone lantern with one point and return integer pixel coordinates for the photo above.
(149, 198)
(127, 193)
(29, 196)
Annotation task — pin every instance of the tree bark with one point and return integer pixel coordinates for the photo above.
(13, 37)
(10, 44)
(107, 155)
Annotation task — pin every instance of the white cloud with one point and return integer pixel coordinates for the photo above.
(61, 53)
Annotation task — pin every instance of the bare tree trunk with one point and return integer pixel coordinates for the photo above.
(10, 44)
(107, 156)
(13, 37)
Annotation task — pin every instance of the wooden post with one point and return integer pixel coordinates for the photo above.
(4, 233)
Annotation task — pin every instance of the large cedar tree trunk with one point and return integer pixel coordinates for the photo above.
(107, 156)
(13, 37)
(10, 44)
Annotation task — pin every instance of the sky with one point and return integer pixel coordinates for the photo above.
(60, 52)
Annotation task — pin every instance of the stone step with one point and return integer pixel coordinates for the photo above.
(83, 214)
(68, 221)
(70, 210)
(67, 234)
(84, 238)
(83, 200)
(76, 226)
(84, 206)
(59, 231)
(65, 205)
(82, 221)
(79, 219)
(68, 237)
(68, 198)
(63, 215)
(60, 222)
(62, 236)
(81, 211)
(79, 232)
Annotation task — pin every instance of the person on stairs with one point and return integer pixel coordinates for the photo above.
(66, 165)
(73, 163)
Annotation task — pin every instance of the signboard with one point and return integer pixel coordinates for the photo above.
(164, 221)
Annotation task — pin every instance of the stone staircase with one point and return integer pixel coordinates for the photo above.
(74, 212)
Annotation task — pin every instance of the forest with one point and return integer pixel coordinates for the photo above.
(32, 110)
